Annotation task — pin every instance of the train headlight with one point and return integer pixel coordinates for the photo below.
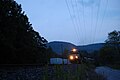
(71, 57)
(76, 57)
(74, 50)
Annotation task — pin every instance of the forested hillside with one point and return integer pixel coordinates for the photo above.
(19, 42)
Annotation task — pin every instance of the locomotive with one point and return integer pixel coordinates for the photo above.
(74, 56)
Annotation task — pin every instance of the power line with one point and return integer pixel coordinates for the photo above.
(91, 21)
(96, 24)
(75, 18)
(79, 21)
(76, 15)
(84, 20)
(103, 15)
(72, 18)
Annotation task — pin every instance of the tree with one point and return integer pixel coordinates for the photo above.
(113, 37)
(114, 40)
(20, 43)
(110, 53)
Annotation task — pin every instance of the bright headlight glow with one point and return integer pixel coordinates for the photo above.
(76, 57)
(74, 50)
(71, 58)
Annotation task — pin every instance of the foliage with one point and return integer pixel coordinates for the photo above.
(107, 55)
(72, 72)
(20, 44)
(113, 37)
(110, 53)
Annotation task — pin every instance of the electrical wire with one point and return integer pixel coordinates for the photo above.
(91, 22)
(103, 15)
(84, 22)
(96, 24)
(74, 25)
(75, 18)
(78, 17)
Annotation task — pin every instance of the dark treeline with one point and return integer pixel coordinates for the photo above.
(19, 42)
(109, 54)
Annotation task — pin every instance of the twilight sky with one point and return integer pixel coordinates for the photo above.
(79, 22)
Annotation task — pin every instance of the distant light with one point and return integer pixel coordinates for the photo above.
(76, 57)
(71, 58)
(74, 50)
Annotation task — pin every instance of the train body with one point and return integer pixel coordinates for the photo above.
(74, 56)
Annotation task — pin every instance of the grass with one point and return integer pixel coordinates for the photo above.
(52, 72)
(72, 72)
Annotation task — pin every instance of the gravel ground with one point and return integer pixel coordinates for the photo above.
(54, 72)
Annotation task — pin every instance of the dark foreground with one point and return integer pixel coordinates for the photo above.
(51, 72)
